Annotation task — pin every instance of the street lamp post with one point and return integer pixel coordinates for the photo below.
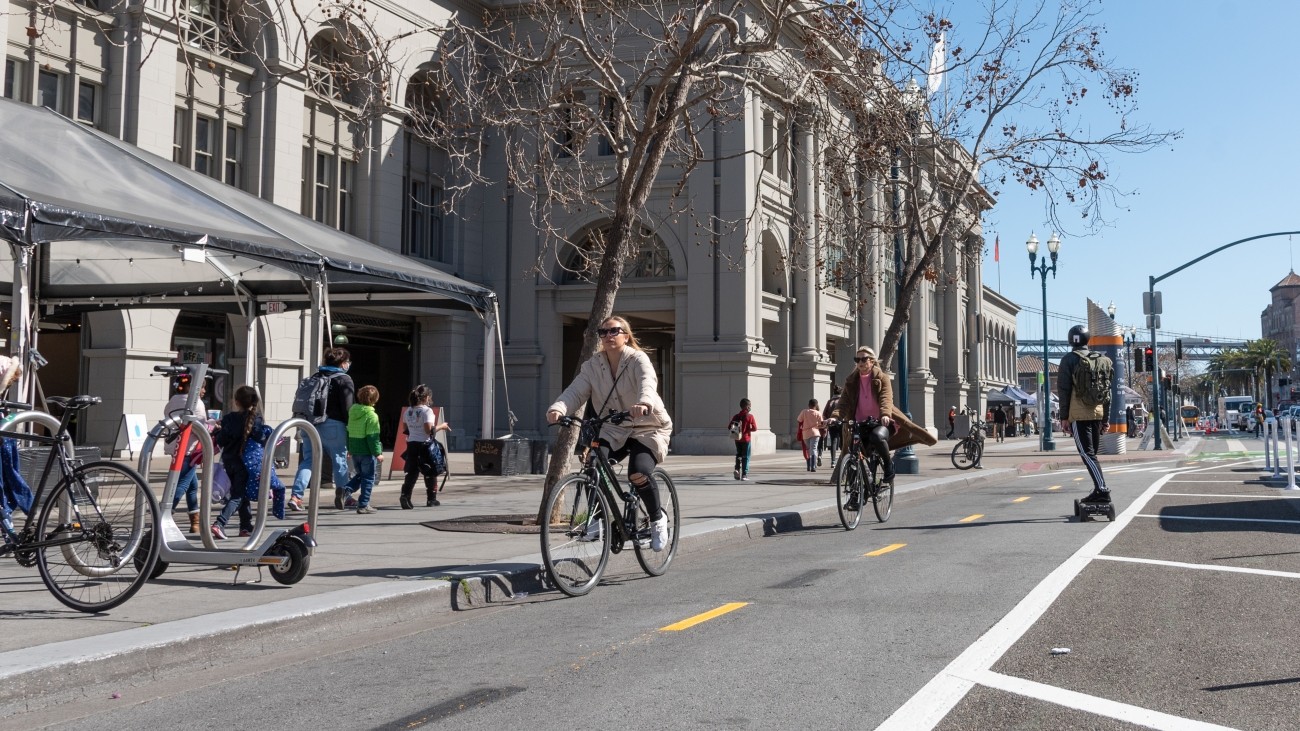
(1045, 402)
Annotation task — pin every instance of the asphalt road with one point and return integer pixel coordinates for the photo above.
(827, 637)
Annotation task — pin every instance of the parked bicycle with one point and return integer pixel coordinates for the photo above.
(582, 529)
(970, 448)
(91, 535)
(859, 477)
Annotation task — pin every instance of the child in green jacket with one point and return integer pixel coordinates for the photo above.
(363, 445)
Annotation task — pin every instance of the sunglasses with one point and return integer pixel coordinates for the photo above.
(609, 332)
(863, 359)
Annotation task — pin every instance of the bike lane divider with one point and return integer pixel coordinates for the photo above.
(887, 549)
(703, 617)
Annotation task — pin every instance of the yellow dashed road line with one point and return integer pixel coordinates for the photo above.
(712, 613)
(1054, 487)
(969, 518)
(1020, 499)
(886, 549)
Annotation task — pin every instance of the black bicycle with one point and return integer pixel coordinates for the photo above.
(859, 477)
(91, 537)
(968, 450)
(582, 529)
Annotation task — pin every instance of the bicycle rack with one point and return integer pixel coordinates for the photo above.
(175, 547)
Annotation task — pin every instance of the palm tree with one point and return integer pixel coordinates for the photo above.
(1266, 355)
(1228, 370)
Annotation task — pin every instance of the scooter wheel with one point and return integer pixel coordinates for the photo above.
(1077, 512)
(159, 566)
(293, 570)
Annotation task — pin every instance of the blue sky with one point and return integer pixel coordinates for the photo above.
(1206, 69)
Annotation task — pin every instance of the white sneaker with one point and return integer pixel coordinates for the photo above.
(593, 532)
(659, 533)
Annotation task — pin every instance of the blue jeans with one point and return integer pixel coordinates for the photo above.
(189, 485)
(334, 440)
(237, 504)
(367, 466)
(812, 451)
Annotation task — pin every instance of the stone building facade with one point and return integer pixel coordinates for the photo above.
(264, 110)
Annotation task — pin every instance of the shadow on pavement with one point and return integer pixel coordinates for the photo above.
(1229, 517)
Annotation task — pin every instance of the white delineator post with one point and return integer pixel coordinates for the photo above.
(1271, 430)
(1290, 462)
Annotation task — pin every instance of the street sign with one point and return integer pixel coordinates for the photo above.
(1153, 322)
(1151, 304)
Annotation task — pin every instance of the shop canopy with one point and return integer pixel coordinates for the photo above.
(97, 222)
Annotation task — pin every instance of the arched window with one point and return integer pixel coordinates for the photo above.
(336, 67)
(425, 168)
(650, 258)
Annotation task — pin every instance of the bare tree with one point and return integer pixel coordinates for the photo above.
(1022, 98)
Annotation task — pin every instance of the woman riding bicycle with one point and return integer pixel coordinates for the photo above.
(620, 377)
(868, 394)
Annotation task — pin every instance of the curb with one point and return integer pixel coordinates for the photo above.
(28, 674)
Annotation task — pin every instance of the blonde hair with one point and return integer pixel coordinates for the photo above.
(631, 338)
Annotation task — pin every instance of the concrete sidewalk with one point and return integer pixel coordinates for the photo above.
(389, 567)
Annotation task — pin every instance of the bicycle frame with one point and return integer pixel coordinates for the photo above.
(597, 466)
(58, 441)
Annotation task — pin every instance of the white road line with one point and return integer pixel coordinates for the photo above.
(1243, 496)
(1236, 445)
(1202, 567)
(1093, 704)
(1219, 520)
(936, 699)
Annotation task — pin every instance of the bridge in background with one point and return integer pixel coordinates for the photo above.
(1193, 348)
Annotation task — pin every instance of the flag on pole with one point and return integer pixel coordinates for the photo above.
(996, 240)
(934, 77)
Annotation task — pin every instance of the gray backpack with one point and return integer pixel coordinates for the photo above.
(312, 397)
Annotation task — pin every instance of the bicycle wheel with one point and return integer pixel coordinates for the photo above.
(575, 537)
(99, 518)
(848, 492)
(882, 494)
(654, 562)
(963, 454)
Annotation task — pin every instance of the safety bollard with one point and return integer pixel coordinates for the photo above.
(1272, 429)
(1290, 463)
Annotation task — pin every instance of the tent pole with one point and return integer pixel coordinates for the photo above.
(312, 350)
(489, 355)
(250, 346)
(20, 318)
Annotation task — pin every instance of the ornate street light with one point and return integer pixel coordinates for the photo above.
(1110, 309)
(1045, 402)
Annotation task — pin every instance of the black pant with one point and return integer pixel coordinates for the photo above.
(641, 462)
(876, 440)
(952, 427)
(1087, 435)
(418, 462)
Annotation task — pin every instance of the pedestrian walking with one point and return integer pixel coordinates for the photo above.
(364, 446)
(830, 427)
(187, 483)
(333, 431)
(999, 423)
(621, 377)
(742, 425)
(810, 430)
(421, 429)
(952, 422)
(242, 436)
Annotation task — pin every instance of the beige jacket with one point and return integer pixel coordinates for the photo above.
(637, 384)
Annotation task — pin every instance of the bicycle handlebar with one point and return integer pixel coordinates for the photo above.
(176, 370)
(613, 417)
(8, 405)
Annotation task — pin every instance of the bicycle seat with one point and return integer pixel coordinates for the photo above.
(74, 403)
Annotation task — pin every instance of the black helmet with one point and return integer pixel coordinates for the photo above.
(1078, 336)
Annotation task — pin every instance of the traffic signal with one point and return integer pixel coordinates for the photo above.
(1167, 383)
(1178, 349)
(1151, 359)
(1139, 360)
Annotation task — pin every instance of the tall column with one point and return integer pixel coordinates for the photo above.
(805, 275)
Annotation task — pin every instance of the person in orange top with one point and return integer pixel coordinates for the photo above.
(810, 431)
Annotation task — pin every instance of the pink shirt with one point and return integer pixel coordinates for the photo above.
(868, 406)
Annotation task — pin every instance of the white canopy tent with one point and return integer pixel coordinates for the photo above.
(92, 220)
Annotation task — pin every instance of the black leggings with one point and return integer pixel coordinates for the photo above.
(641, 462)
(876, 440)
